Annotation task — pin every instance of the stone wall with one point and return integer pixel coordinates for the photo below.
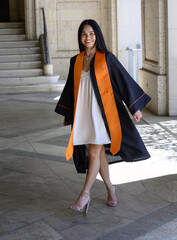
(63, 19)
(159, 35)
(154, 71)
(172, 56)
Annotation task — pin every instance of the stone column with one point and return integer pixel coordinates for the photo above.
(172, 57)
(153, 75)
(30, 19)
(112, 26)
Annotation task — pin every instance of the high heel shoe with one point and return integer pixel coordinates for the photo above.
(84, 208)
(112, 203)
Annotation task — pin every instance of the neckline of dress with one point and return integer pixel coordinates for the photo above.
(85, 71)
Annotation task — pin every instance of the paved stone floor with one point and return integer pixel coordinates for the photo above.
(37, 185)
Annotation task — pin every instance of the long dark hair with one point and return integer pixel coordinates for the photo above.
(100, 43)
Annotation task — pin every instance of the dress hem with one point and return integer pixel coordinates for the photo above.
(78, 144)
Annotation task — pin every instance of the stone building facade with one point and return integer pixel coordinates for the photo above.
(159, 37)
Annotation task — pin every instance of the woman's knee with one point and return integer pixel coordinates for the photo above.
(94, 151)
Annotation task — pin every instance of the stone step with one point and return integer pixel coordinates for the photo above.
(19, 44)
(37, 88)
(19, 37)
(53, 85)
(20, 65)
(20, 50)
(14, 81)
(21, 69)
(4, 25)
(12, 31)
(20, 58)
(21, 73)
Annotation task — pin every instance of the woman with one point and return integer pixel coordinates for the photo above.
(92, 101)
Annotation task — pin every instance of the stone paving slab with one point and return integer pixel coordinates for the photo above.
(146, 225)
(94, 228)
(166, 231)
(35, 231)
(37, 185)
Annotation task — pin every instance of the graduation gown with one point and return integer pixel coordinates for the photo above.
(125, 91)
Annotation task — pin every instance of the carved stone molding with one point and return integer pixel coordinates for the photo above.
(154, 35)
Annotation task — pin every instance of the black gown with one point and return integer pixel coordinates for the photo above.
(126, 91)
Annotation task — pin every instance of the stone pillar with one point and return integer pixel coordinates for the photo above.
(30, 19)
(112, 26)
(153, 75)
(172, 57)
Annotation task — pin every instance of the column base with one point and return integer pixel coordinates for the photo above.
(155, 86)
(48, 69)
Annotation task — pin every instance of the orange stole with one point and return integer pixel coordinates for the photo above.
(77, 77)
(108, 100)
(107, 97)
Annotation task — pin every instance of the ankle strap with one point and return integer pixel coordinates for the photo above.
(86, 192)
(109, 186)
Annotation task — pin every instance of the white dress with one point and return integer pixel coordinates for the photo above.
(89, 127)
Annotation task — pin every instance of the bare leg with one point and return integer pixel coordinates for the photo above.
(104, 168)
(104, 172)
(93, 169)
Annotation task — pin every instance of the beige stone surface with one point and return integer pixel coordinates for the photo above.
(159, 36)
(38, 187)
(151, 30)
(155, 86)
(63, 19)
(154, 36)
(167, 231)
(61, 65)
(153, 76)
(30, 19)
(171, 58)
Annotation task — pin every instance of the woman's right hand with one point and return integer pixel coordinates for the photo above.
(66, 123)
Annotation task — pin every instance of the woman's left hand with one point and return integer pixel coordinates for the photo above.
(137, 116)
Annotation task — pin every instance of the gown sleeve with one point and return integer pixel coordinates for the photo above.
(130, 92)
(65, 104)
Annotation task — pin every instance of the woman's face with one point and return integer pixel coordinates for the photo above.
(88, 37)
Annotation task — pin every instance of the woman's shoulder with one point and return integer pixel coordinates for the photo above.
(107, 54)
(113, 62)
(111, 59)
(110, 55)
(73, 58)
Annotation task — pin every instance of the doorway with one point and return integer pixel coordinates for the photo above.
(12, 11)
(4, 11)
